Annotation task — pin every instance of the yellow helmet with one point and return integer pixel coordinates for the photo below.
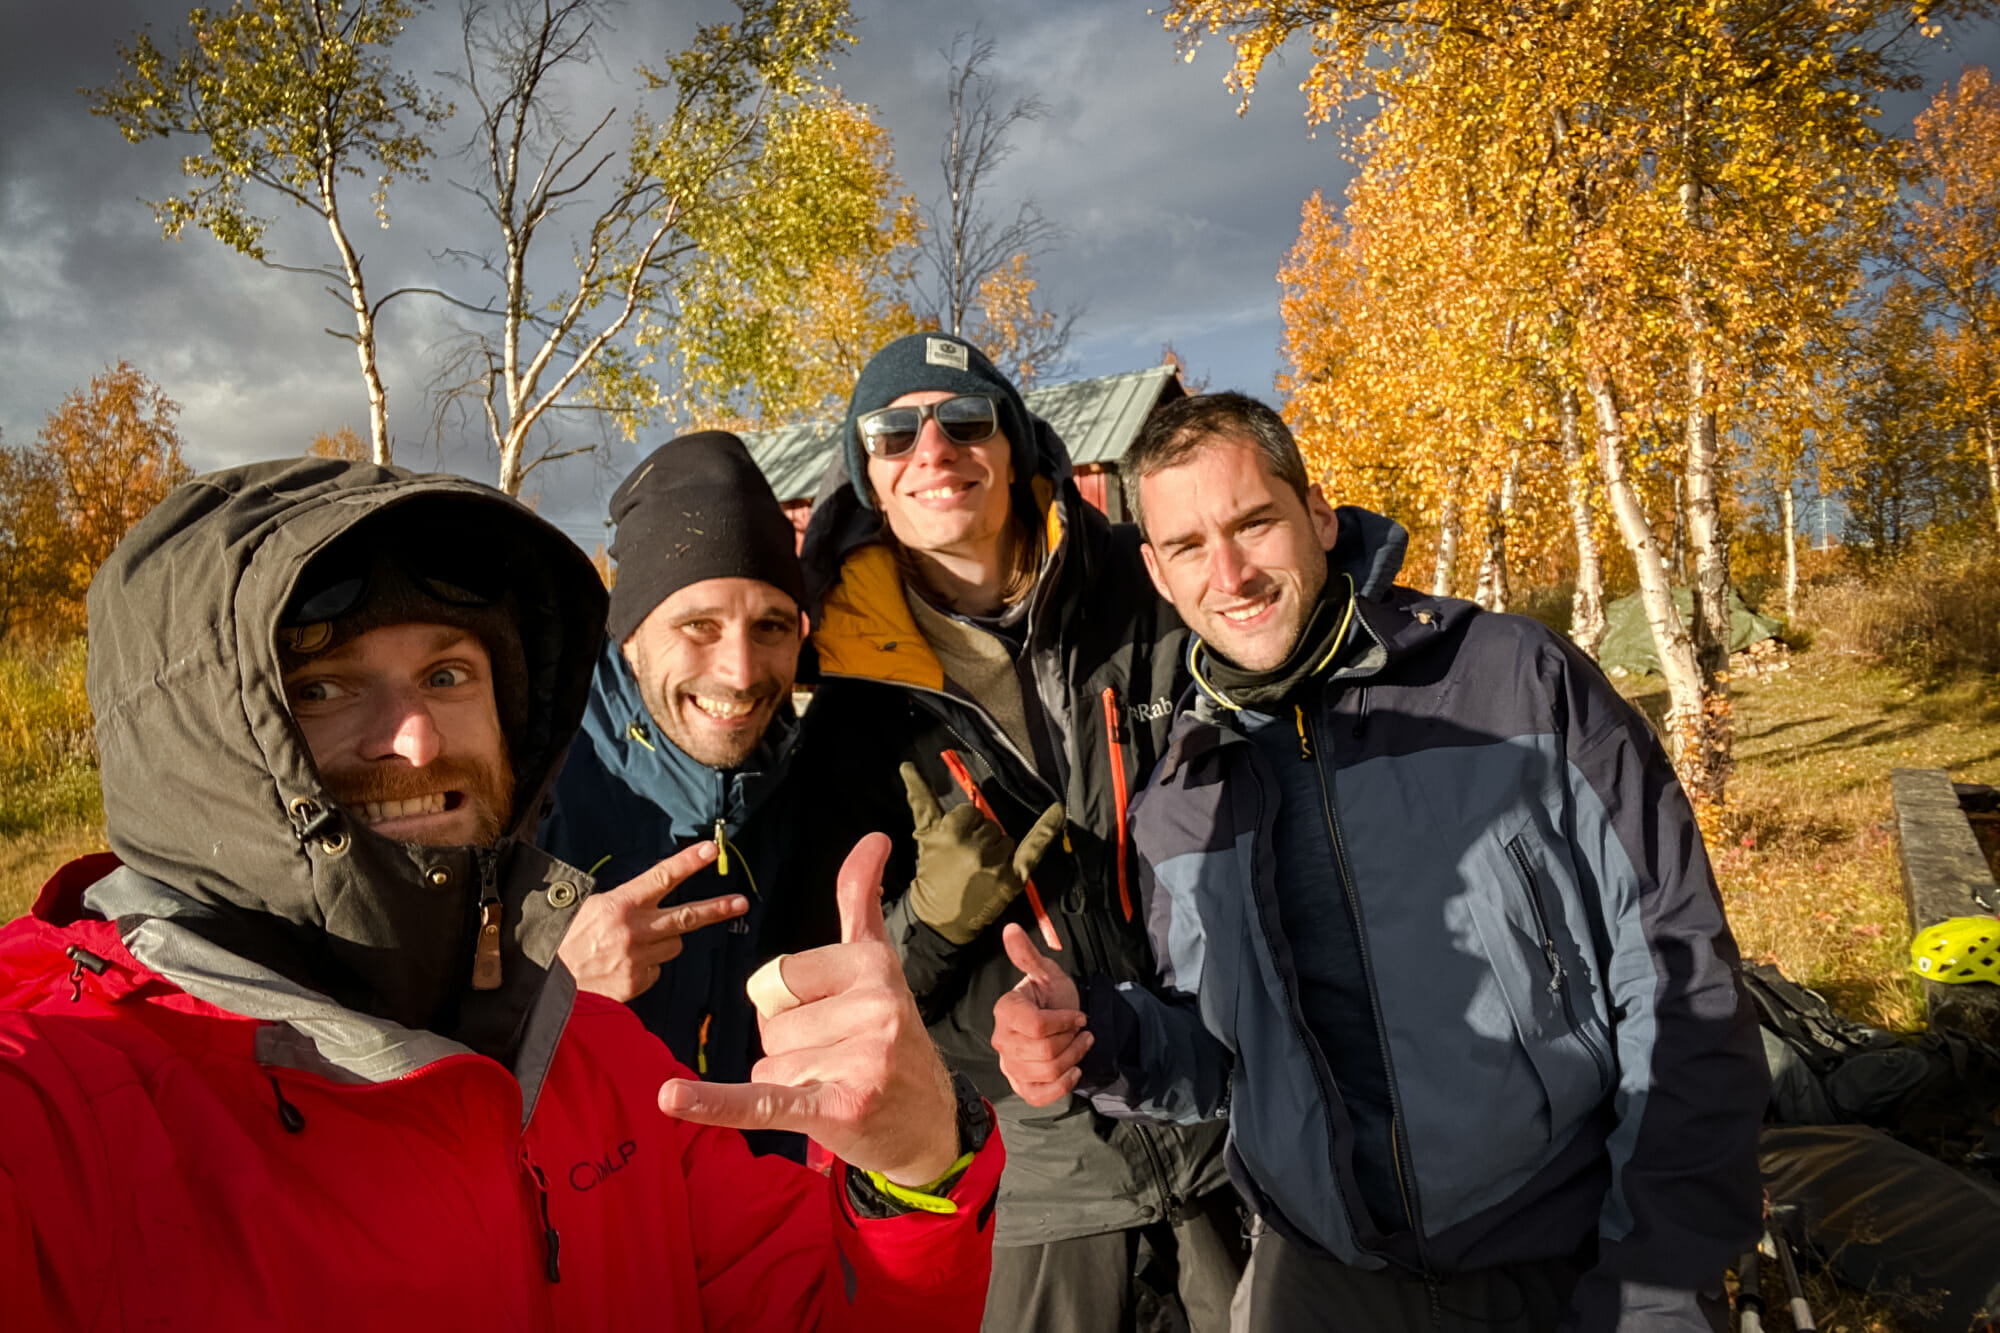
(1965, 948)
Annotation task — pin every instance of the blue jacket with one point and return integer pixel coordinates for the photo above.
(1569, 1049)
(629, 797)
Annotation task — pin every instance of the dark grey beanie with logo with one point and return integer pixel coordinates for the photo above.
(923, 361)
(697, 508)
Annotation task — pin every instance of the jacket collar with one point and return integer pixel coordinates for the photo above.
(864, 626)
(693, 796)
(160, 935)
(1388, 624)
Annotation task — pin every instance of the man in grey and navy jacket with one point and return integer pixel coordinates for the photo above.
(1436, 933)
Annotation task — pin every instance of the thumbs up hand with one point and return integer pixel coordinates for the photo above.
(1038, 1031)
(847, 1061)
(968, 869)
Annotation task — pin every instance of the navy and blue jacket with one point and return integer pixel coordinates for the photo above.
(627, 798)
(1571, 1060)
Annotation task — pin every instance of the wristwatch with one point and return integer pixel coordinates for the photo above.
(975, 1116)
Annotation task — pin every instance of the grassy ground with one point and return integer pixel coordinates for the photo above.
(50, 809)
(1808, 862)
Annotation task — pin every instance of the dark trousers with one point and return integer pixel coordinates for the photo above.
(1170, 1277)
(1290, 1288)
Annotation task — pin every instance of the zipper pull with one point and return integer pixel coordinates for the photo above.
(551, 1238)
(721, 849)
(1305, 743)
(638, 733)
(486, 954)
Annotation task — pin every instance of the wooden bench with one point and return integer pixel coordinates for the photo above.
(1946, 874)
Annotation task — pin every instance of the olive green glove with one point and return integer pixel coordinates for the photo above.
(968, 869)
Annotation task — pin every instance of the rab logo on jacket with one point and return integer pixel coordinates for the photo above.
(1153, 711)
(588, 1175)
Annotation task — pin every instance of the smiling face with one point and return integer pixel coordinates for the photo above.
(402, 726)
(715, 662)
(1234, 548)
(948, 500)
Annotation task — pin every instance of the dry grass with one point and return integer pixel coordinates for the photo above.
(50, 807)
(1807, 859)
(1931, 614)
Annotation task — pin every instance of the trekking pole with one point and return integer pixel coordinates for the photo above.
(1749, 1295)
(1802, 1316)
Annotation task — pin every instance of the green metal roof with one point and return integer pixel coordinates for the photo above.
(1096, 418)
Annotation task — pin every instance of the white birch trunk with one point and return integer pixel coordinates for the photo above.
(1586, 612)
(1447, 553)
(1656, 593)
(1788, 513)
(364, 326)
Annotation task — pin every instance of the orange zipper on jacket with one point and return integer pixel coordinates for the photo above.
(963, 775)
(1117, 752)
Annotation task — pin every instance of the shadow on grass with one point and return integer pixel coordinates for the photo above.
(1783, 726)
(1861, 736)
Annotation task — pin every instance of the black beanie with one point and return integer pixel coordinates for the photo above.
(415, 564)
(935, 361)
(696, 509)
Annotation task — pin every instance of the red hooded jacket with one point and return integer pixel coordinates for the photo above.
(166, 1163)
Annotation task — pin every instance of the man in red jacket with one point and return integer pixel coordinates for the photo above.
(300, 1055)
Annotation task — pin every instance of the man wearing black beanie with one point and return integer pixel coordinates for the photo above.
(687, 736)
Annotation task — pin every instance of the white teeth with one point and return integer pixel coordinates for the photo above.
(722, 708)
(375, 812)
(939, 493)
(1247, 613)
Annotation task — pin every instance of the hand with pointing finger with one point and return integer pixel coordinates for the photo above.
(622, 937)
(1038, 1030)
(968, 869)
(849, 1064)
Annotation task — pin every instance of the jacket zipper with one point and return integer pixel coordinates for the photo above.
(723, 847)
(1118, 799)
(1540, 910)
(1558, 977)
(1315, 1058)
(1399, 1149)
(963, 776)
(551, 1238)
(486, 945)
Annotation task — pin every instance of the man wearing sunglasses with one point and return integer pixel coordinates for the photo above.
(300, 1054)
(688, 736)
(993, 663)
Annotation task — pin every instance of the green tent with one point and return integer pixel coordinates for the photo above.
(1628, 640)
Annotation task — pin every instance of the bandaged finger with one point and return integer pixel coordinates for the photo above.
(768, 990)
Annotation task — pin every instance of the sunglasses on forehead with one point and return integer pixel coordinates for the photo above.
(891, 432)
(447, 574)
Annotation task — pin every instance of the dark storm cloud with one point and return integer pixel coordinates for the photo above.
(1178, 214)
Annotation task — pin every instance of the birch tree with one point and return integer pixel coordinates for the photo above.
(294, 101)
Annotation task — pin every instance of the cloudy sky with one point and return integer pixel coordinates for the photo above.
(1178, 213)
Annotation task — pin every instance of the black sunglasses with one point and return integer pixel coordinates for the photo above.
(891, 432)
(443, 570)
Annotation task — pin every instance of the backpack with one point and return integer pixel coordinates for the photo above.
(1938, 1092)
